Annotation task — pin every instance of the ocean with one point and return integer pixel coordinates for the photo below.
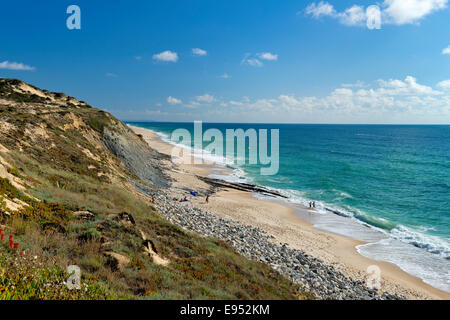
(388, 185)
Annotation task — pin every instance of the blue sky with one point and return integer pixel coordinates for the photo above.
(260, 61)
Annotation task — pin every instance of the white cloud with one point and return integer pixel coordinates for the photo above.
(446, 50)
(173, 100)
(254, 62)
(199, 52)
(407, 87)
(321, 9)
(290, 100)
(353, 16)
(236, 103)
(382, 101)
(388, 101)
(156, 113)
(138, 58)
(206, 98)
(410, 11)
(254, 59)
(225, 76)
(111, 75)
(357, 84)
(444, 85)
(166, 56)
(15, 66)
(397, 12)
(268, 56)
(343, 91)
(192, 105)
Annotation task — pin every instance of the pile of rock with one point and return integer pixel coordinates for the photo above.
(313, 275)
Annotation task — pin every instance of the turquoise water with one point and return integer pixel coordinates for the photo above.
(395, 178)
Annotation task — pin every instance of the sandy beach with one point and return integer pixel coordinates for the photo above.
(283, 223)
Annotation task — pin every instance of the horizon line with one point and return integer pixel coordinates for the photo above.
(297, 123)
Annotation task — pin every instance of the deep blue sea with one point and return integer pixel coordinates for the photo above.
(394, 178)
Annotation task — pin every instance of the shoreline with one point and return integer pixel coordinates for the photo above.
(283, 223)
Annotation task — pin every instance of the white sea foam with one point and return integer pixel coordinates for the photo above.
(424, 256)
(430, 243)
(206, 156)
(431, 268)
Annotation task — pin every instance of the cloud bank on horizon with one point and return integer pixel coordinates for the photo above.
(384, 101)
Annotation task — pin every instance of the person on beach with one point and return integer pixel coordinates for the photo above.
(207, 198)
(153, 198)
(314, 204)
(310, 205)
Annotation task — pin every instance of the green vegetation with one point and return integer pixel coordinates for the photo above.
(55, 150)
(25, 278)
(200, 268)
(98, 121)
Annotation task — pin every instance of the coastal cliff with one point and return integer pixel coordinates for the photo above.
(68, 196)
(79, 188)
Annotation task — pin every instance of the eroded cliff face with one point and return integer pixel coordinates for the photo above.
(135, 154)
(62, 133)
(69, 181)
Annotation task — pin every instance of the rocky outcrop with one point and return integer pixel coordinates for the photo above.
(117, 261)
(85, 215)
(241, 186)
(137, 156)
